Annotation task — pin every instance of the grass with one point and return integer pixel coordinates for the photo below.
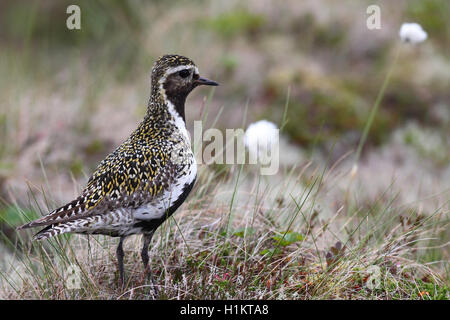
(313, 231)
(376, 106)
(270, 249)
(246, 236)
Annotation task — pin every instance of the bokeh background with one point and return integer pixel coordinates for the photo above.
(68, 97)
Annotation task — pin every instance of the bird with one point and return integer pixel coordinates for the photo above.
(144, 180)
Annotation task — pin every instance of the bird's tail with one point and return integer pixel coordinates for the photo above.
(70, 211)
(49, 231)
(53, 230)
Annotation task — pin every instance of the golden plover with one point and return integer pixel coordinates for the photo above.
(139, 185)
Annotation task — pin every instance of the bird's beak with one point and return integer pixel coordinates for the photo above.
(203, 81)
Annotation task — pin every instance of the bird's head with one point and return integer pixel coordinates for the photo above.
(174, 77)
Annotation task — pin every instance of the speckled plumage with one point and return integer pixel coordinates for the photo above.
(136, 187)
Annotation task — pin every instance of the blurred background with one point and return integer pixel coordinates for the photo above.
(69, 97)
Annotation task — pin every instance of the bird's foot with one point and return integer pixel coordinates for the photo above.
(149, 277)
(122, 283)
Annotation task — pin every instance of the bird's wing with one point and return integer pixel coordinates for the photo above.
(123, 178)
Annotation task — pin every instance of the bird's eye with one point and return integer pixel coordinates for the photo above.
(184, 73)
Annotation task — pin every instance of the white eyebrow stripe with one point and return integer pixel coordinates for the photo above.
(179, 68)
(176, 69)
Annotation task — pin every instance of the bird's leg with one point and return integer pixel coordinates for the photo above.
(120, 255)
(144, 255)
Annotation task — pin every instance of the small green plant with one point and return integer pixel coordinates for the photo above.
(236, 22)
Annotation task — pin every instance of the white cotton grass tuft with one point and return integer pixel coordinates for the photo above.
(412, 32)
(259, 138)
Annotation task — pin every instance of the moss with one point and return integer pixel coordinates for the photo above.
(325, 108)
(229, 63)
(310, 34)
(427, 142)
(239, 21)
(419, 290)
(319, 117)
(330, 36)
(96, 146)
(404, 103)
(76, 167)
